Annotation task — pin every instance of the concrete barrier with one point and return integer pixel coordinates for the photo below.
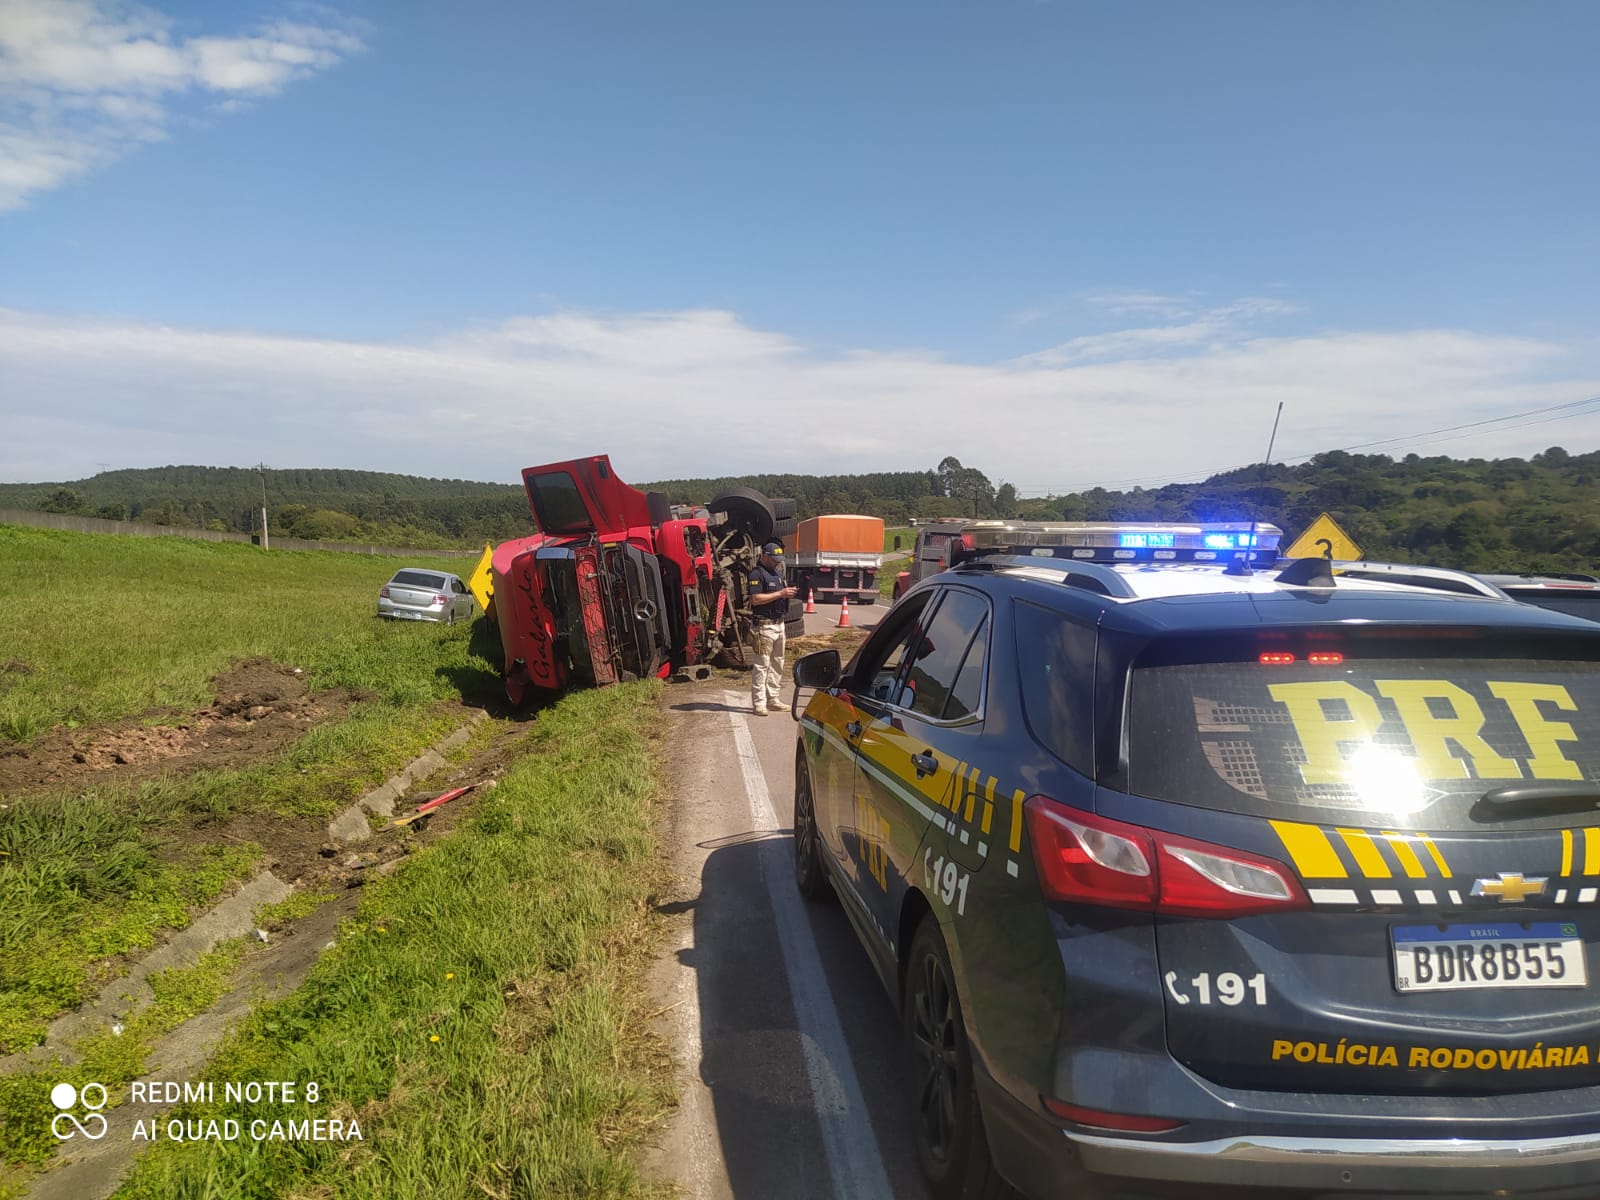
(76, 524)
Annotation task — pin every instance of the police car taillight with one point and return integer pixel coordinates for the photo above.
(1088, 859)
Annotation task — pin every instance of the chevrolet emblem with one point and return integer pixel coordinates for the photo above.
(1509, 889)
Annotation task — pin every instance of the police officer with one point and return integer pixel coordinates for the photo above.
(769, 604)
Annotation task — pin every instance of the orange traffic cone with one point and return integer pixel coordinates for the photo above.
(811, 601)
(844, 613)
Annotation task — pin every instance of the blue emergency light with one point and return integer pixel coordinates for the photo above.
(1226, 541)
(1134, 542)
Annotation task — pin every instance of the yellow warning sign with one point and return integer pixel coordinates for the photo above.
(480, 584)
(1324, 539)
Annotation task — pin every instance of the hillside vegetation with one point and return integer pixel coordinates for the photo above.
(1507, 514)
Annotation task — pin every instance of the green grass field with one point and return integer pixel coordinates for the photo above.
(112, 627)
(94, 628)
(480, 1016)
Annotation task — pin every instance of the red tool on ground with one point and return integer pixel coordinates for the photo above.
(439, 801)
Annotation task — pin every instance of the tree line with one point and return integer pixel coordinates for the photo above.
(1507, 514)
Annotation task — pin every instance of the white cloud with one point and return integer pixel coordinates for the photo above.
(1209, 326)
(1033, 314)
(701, 393)
(1144, 304)
(82, 82)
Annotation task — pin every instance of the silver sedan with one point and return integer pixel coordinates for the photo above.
(415, 594)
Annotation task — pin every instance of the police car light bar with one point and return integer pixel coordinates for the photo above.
(1113, 542)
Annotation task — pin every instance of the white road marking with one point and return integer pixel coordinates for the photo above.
(854, 1162)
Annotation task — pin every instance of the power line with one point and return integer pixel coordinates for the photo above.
(1575, 404)
(1588, 406)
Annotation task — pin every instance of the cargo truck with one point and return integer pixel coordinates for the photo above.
(620, 585)
(836, 556)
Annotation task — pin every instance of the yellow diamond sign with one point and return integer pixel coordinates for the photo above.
(480, 584)
(1324, 539)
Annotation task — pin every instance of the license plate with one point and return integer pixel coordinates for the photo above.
(1489, 955)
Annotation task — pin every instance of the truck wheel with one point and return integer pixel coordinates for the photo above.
(746, 509)
(785, 527)
(783, 508)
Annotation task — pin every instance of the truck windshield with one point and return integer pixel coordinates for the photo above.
(558, 504)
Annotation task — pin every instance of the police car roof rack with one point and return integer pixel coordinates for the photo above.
(1439, 579)
(1091, 577)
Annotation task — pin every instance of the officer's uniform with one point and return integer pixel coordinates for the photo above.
(769, 639)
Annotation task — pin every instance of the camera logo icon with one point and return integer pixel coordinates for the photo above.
(66, 1098)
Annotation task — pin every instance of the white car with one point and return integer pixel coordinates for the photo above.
(415, 594)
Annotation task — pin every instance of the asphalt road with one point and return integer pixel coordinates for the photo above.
(792, 1081)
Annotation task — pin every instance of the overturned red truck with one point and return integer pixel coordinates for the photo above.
(618, 584)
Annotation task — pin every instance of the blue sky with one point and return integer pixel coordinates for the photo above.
(1078, 243)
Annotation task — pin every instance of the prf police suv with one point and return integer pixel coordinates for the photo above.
(1190, 869)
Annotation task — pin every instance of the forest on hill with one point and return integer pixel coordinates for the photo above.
(1506, 514)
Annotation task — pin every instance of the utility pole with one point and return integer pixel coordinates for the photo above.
(262, 468)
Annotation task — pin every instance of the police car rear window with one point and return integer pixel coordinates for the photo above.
(1576, 603)
(1416, 738)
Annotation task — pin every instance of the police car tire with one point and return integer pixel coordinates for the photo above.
(810, 877)
(783, 508)
(965, 1170)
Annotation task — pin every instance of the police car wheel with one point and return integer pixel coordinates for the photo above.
(952, 1148)
(809, 875)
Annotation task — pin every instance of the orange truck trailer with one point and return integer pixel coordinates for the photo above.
(838, 555)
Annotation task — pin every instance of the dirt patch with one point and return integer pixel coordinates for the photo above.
(301, 854)
(845, 641)
(261, 707)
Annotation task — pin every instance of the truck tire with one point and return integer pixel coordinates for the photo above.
(747, 510)
(785, 527)
(783, 508)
